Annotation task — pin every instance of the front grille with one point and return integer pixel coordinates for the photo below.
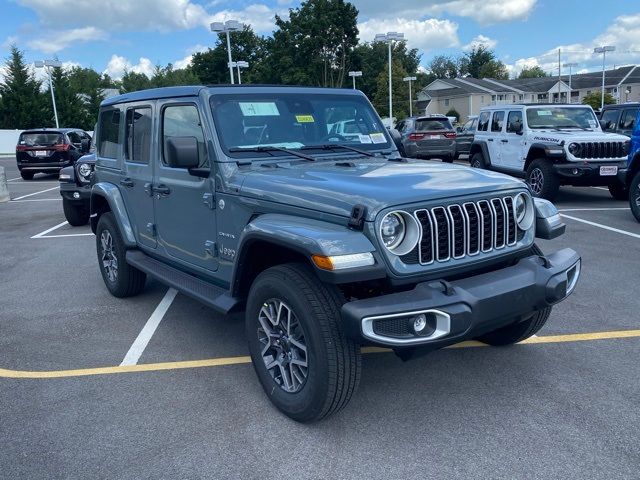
(601, 150)
(457, 231)
(397, 327)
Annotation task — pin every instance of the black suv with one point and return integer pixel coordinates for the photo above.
(47, 150)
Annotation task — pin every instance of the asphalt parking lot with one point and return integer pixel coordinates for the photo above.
(187, 404)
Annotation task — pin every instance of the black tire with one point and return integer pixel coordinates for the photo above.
(477, 161)
(333, 360)
(634, 196)
(26, 175)
(456, 156)
(618, 190)
(127, 281)
(542, 180)
(448, 159)
(76, 214)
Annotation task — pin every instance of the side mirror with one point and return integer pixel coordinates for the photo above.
(459, 129)
(182, 152)
(85, 145)
(602, 125)
(396, 137)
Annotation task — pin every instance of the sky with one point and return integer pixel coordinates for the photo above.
(114, 36)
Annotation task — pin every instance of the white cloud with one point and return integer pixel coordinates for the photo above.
(118, 66)
(55, 41)
(425, 35)
(186, 61)
(481, 40)
(259, 16)
(483, 11)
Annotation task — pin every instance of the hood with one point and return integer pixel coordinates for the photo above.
(557, 136)
(374, 183)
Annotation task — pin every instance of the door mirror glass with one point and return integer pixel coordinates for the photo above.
(182, 152)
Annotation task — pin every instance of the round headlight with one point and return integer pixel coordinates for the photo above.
(84, 170)
(524, 211)
(392, 230)
(574, 148)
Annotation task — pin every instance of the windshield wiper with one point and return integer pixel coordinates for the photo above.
(271, 148)
(572, 126)
(331, 146)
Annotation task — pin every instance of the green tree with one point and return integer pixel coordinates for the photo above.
(481, 62)
(443, 66)
(453, 113)
(532, 72)
(89, 86)
(133, 81)
(595, 99)
(23, 104)
(69, 104)
(400, 91)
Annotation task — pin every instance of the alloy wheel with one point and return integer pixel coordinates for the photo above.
(536, 181)
(284, 350)
(109, 260)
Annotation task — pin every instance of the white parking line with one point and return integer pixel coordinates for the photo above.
(592, 209)
(41, 234)
(141, 342)
(599, 225)
(601, 188)
(36, 193)
(37, 200)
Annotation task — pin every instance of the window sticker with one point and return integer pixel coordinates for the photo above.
(378, 137)
(305, 119)
(592, 123)
(544, 113)
(259, 109)
(364, 138)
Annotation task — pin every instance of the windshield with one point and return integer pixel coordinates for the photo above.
(561, 117)
(295, 121)
(426, 125)
(40, 139)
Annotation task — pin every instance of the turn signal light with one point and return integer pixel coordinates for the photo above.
(341, 262)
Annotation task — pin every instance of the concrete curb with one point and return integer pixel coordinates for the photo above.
(4, 190)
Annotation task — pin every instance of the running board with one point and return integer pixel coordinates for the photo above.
(205, 292)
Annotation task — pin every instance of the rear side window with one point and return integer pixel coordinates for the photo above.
(429, 124)
(109, 133)
(609, 120)
(183, 121)
(497, 121)
(138, 135)
(40, 139)
(628, 120)
(483, 122)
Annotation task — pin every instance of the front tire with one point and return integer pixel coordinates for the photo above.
(517, 332)
(542, 180)
(307, 366)
(477, 161)
(634, 196)
(121, 279)
(26, 175)
(448, 159)
(76, 215)
(618, 190)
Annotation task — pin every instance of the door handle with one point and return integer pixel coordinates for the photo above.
(504, 141)
(127, 182)
(161, 189)
(490, 139)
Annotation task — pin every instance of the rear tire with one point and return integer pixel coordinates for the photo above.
(27, 175)
(542, 180)
(121, 279)
(477, 161)
(76, 215)
(618, 191)
(634, 196)
(311, 310)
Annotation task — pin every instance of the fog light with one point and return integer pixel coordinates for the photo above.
(419, 323)
(76, 195)
(423, 324)
(575, 171)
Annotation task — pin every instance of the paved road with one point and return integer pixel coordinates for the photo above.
(548, 410)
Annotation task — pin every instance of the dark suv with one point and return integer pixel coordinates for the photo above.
(48, 150)
(431, 136)
(246, 199)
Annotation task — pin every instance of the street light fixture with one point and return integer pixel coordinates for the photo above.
(227, 27)
(410, 79)
(240, 64)
(389, 38)
(48, 65)
(603, 51)
(353, 75)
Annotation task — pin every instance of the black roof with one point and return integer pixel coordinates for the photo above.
(52, 130)
(618, 106)
(194, 90)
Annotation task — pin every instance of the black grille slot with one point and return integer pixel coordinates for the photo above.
(511, 221)
(392, 327)
(487, 225)
(500, 222)
(601, 150)
(459, 231)
(442, 238)
(426, 245)
(411, 258)
(473, 226)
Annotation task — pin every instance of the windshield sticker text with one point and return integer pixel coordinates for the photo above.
(259, 109)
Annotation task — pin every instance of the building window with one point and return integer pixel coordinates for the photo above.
(482, 98)
(446, 102)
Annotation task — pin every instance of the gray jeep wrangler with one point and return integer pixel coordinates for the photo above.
(245, 198)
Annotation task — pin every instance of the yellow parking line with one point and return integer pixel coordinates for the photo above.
(218, 362)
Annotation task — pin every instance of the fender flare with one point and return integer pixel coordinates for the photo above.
(113, 197)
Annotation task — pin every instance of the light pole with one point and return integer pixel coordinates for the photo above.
(389, 38)
(353, 75)
(410, 79)
(240, 64)
(227, 27)
(603, 51)
(570, 67)
(47, 65)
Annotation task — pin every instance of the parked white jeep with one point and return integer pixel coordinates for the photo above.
(550, 146)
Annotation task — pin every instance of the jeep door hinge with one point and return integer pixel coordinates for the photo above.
(211, 248)
(207, 199)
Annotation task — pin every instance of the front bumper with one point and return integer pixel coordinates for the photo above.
(75, 193)
(431, 150)
(588, 174)
(465, 308)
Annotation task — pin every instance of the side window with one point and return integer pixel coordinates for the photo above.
(514, 122)
(74, 138)
(138, 135)
(497, 121)
(628, 120)
(109, 132)
(183, 121)
(483, 122)
(474, 124)
(609, 120)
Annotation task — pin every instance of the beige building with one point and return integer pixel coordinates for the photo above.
(468, 95)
